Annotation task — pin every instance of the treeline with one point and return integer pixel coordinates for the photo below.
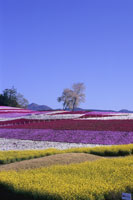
(10, 97)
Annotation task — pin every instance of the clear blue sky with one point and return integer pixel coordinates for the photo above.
(47, 45)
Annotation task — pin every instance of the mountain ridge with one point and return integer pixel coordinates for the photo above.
(34, 106)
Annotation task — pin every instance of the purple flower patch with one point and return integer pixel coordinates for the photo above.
(71, 136)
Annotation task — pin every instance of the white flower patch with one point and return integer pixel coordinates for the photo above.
(118, 117)
(58, 111)
(15, 144)
(16, 111)
(9, 108)
(48, 117)
(45, 117)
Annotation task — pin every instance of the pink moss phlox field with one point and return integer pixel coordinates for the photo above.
(101, 113)
(68, 124)
(28, 125)
(13, 115)
(98, 115)
(71, 136)
(9, 112)
(70, 112)
(5, 110)
(92, 113)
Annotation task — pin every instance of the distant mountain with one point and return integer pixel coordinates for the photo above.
(125, 111)
(98, 110)
(81, 109)
(34, 106)
(76, 109)
(122, 111)
(103, 110)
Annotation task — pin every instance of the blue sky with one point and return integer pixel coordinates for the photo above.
(47, 45)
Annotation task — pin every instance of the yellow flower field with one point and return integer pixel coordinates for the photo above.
(99, 180)
(13, 156)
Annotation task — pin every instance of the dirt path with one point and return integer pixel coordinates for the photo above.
(61, 159)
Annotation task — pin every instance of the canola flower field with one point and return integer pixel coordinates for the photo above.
(99, 180)
(116, 150)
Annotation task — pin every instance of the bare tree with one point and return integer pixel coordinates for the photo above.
(22, 102)
(71, 98)
(65, 98)
(78, 94)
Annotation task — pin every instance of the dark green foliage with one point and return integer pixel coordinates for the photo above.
(7, 192)
(10, 97)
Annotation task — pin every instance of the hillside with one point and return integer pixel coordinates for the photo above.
(34, 106)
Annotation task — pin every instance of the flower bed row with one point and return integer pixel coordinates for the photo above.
(70, 112)
(91, 115)
(68, 124)
(70, 136)
(17, 121)
(13, 115)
